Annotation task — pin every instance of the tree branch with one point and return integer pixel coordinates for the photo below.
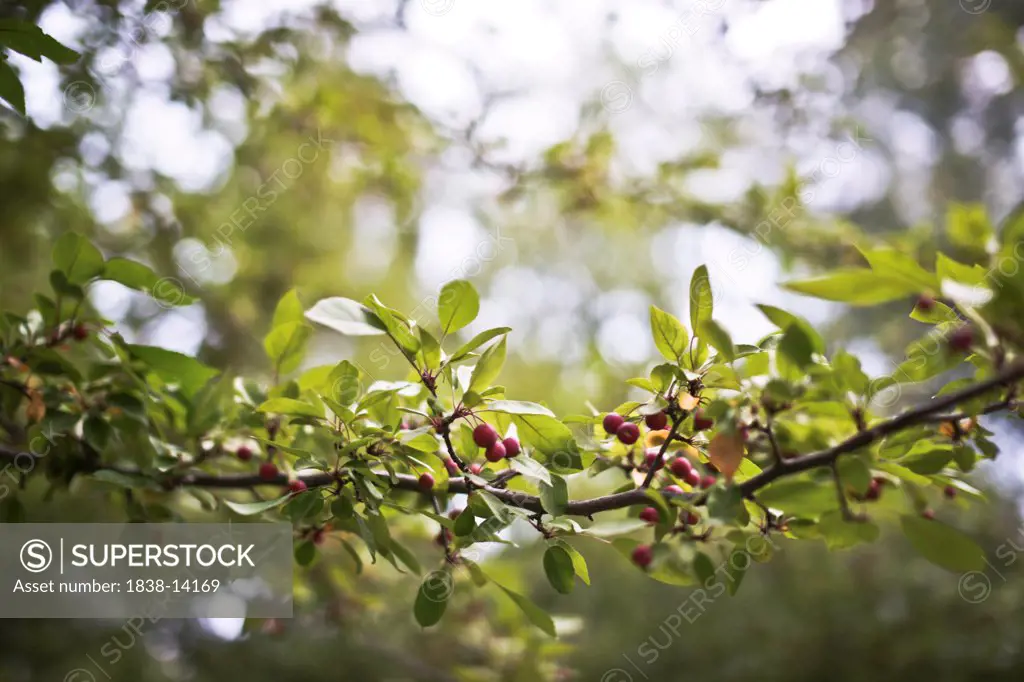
(925, 413)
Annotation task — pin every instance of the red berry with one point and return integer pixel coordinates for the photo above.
(949, 492)
(681, 467)
(650, 457)
(700, 422)
(650, 515)
(656, 422)
(296, 486)
(496, 452)
(485, 436)
(454, 514)
(692, 518)
(628, 433)
(511, 447)
(693, 478)
(443, 537)
(318, 536)
(925, 302)
(961, 340)
(244, 453)
(80, 332)
(673, 489)
(874, 490)
(928, 514)
(643, 555)
(707, 481)
(451, 466)
(425, 482)
(476, 468)
(268, 471)
(612, 422)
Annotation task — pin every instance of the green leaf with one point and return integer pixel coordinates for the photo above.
(968, 226)
(397, 329)
(701, 300)
(422, 439)
(305, 553)
(140, 277)
(726, 504)
(290, 406)
(670, 336)
(948, 269)
(854, 473)
(939, 313)
(345, 316)
(30, 40)
(900, 265)
(253, 508)
(559, 569)
(839, 533)
(736, 567)
(554, 497)
(11, 89)
(784, 320)
(704, 568)
(610, 529)
(432, 598)
(430, 349)
(174, 367)
(797, 346)
(405, 556)
(546, 434)
(943, 545)
(207, 407)
(856, 286)
(457, 306)
(77, 258)
(799, 497)
(344, 383)
(849, 374)
(289, 310)
(531, 469)
(518, 407)
(533, 613)
(465, 523)
(475, 342)
(286, 345)
(927, 458)
(488, 367)
(579, 564)
(495, 506)
(718, 338)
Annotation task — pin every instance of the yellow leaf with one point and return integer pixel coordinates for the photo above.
(36, 409)
(655, 439)
(687, 401)
(725, 451)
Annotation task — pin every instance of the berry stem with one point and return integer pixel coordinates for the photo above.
(677, 419)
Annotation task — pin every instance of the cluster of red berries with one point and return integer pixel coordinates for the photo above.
(268, 471)
(652, 516)
(627, 432)
(496, 449)
(615, 424)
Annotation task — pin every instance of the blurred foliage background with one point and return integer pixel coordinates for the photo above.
(576, 160)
